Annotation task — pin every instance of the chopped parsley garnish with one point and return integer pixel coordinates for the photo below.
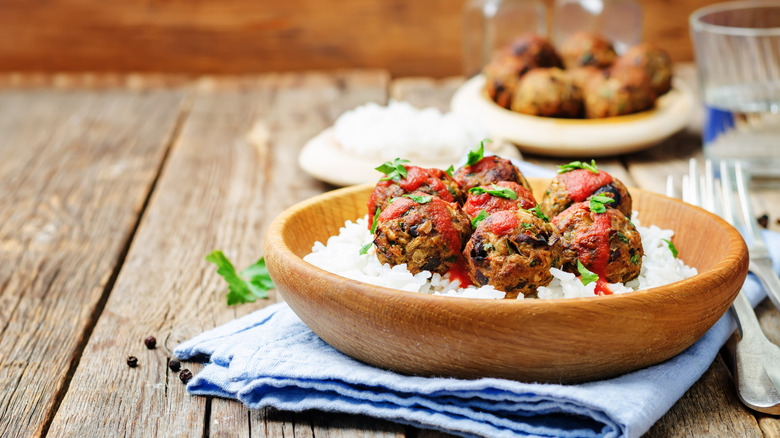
(420, 199)
(586, 276)
(394, 170)
(672, 248)
(622, 237)
(540, 214)
(597, 203)
(477, 152)
(635, 259)
(495, 190)
(579, 165)
(526, 225)
(251, 283)
(450, 170)
(364, 249)
(479, 218)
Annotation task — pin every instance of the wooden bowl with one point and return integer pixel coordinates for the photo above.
(564, 340)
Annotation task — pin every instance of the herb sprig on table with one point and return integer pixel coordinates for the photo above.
(245, 286)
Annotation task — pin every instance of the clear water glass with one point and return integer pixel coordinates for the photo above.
(737, 48)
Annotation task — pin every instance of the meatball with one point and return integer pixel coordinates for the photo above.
(431, 181)
(605, 243)
(489, 170)
(503, 73)
(481, 199)
(548, 92)
(624, 91)
(513, 251)
(580, 184)
(654, 61)
(422, 231)
(582, 76)
(587, 48)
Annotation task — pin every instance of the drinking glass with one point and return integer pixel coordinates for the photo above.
(737, 49)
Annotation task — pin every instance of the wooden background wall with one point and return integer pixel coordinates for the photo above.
(407, 37)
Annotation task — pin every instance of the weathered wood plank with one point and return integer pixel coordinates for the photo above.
(232, 169)
(75, 171)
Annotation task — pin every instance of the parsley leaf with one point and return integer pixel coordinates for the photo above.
(420, 199)
(394, 170)
(364, 249)
(540, 214)
(672, 248)
(479, 218)
(579, 165)
(586, 276)
(477, 152)
(450, 170)
(495, 190)
(597, 203)
(253, 282)
(374, 221)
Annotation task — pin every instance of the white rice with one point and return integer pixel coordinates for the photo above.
(401, 130)
(340, 255)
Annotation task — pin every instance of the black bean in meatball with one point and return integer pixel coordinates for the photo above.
(578, 185)
(489, 170)
(548, 92)
(422, 231)
(606, 243)
(488, 201)
(432, 181)
(653, 60)
(513, 251)
(587, 48)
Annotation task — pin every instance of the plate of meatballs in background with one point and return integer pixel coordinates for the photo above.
(480, 271)
(581, 99)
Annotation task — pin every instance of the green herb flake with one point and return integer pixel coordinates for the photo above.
(540, 214)
(586, 276)
(420, 199)
(635, 259)
(671, 246)
(450, 170)
(477, 152)
(495, 190)
(508, 247)
(526, 226)
(251, 283)
(375, 220)
(394, 170)
(597, 203)
(579, 165)
(364, 249)
(622, 237)
(479, 218)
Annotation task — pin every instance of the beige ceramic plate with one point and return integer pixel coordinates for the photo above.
(563, 340)
(323, 158)
(577, 137)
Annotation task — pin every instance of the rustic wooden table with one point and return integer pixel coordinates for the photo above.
(114, 188)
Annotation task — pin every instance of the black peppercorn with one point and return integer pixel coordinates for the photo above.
(132, 361)
(763, 220)
(185, 375)
(174, 365)
(150, 342)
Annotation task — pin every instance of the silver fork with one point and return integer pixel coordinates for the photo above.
(760, 263)
(756, 359)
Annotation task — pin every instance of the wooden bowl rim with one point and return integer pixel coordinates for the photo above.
(737, 253)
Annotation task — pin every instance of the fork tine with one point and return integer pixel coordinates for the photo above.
(727, 194)
(693, 181)
(747, 210)
(670, 189)
(708, 187)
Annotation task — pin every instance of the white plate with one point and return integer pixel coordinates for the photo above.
(577, 137)
(323, 158)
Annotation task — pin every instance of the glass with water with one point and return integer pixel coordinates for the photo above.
(737, 47)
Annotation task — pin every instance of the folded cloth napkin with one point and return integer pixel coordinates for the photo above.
(270, 358)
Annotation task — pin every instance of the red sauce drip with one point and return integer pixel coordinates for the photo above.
(593, 245)
(581, 183)
(502, 222)
(482, 165)
(415, 177)
(458, 271)
(442, 222)
(484, 201)
(602, 288)
(396, 209)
